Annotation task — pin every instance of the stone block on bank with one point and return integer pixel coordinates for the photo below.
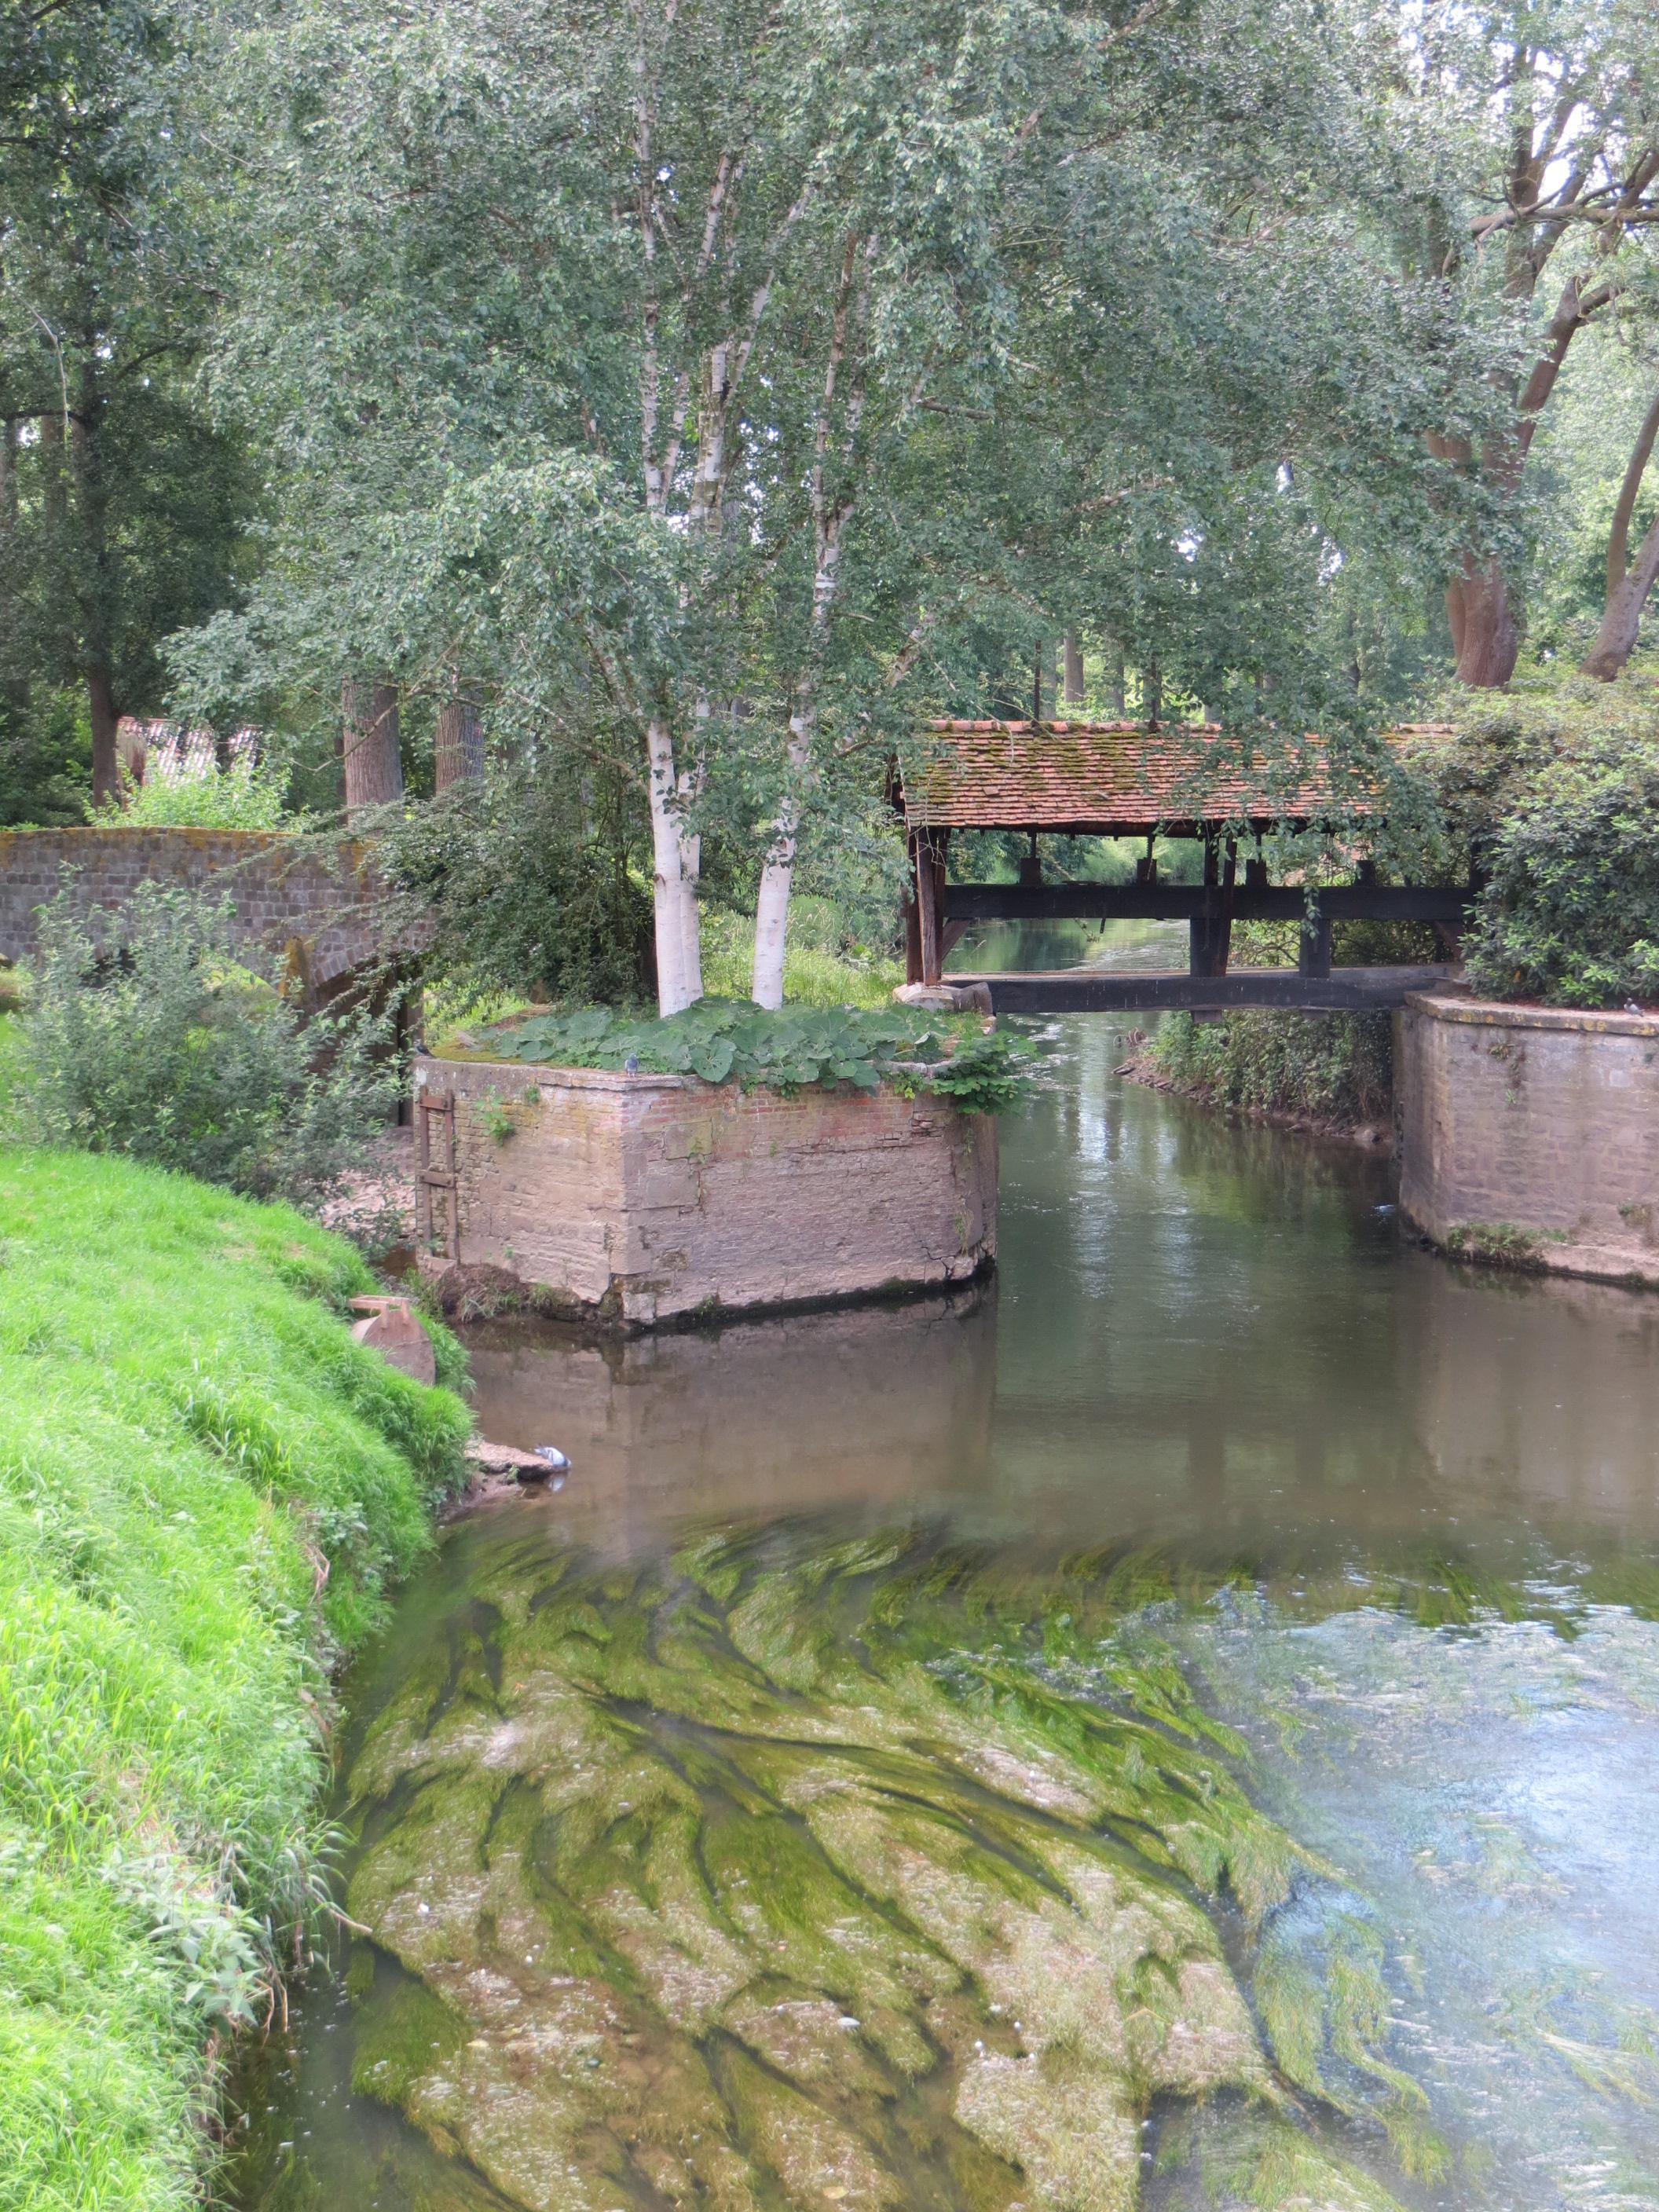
(1529, 1135)
(636, 1201)
(389, 1327)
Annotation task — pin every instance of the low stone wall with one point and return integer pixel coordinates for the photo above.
(1529, 1135)
(639, 1200)
(291, 893)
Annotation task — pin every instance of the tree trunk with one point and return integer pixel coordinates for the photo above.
(1073, 690)
(374, 764)
(668, 885)
(1629, 581)
(86, 473)
(1484, 634)
(7, 471)
(458, 754)
(1621, 620)
(1117, 683)
(107, 785)
(778, 876)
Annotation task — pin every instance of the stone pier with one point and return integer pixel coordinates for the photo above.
(1529, 1135)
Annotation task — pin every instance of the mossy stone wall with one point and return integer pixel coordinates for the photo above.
(637, 1199)
(1529, 1136)
(289, 891)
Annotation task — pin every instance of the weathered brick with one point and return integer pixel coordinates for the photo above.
(282, 886)
(645, 1197)
(1539, 1119)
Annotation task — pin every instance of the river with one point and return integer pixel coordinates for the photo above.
(1173, 1726)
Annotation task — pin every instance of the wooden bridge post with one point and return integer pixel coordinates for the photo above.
(1211, 929)
(1313, 953)
(912, 910)
(930, 901)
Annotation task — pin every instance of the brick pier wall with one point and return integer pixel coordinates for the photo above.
(1537, 1119)
(287, 890)
(641, 1198)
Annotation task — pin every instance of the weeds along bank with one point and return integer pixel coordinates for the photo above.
(205, 1490)
(1333, 1072)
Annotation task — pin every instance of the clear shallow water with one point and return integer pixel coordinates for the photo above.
(1189, 1706)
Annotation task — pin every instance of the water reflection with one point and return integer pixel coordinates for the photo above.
(876, 1408)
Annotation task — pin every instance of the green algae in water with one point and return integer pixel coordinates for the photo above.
(796, 1873)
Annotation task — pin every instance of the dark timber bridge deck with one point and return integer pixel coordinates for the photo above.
(1120, 780)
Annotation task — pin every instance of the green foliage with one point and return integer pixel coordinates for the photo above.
(204, 1488)
(1571, 915)
(823, 963)
(527, 887)
(247, 795)
(124, 503)
(1555, 790)
(734, 1041)
(1498, 1244)
(173, 1045)
(1334, 1067)
(45, 758)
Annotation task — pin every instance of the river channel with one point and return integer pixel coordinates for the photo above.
(1176, 1725)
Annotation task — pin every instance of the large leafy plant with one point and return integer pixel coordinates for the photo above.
(796, 1049)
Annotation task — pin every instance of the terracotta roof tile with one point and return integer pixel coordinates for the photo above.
(1108, 778)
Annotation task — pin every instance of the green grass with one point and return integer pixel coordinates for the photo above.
(818, 969)
(205, 1488)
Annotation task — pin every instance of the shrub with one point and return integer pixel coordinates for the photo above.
(1335, 1067)
(1550, 788)
(513, 888)
(734, 1041)
(247, 795)
(176, 1046)
(1571, 913)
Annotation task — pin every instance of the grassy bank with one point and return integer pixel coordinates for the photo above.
(205, 1488)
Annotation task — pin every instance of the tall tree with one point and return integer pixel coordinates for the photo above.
(122, 505)
(715, 384)
(1561, 119)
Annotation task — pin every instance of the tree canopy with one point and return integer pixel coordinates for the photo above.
(695, 395)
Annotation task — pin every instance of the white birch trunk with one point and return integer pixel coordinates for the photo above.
(828, 517)
(668, 878)
(778, 876)
(690, 918)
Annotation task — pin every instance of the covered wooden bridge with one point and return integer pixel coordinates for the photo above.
(1139, 780)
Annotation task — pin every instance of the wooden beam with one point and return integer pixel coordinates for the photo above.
(1104, 990)
(1163, 902)
(930, 887)
(1314, 954)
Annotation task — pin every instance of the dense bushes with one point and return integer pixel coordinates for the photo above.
(521, 887)
(174, 1050)
(245, 795)
(1553, 790)
(204, 1486)
(1571, 915)
(1327, 1067)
